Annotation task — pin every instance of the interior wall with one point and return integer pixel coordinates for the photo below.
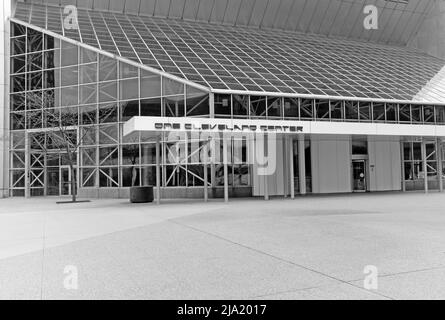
(331, 164)
(385, 164)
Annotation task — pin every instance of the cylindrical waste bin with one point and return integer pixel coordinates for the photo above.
(141, 194)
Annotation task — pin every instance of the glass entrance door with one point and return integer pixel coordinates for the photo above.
(53, 182)
(58, 181)
(359, 175)
(65, 181)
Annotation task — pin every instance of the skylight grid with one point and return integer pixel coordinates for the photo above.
(159, 51)
(240, 59)
(146, 56)
(197, 58)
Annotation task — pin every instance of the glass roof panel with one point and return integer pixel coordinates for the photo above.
(237, 58)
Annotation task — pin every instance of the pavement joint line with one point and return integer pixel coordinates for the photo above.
(43, 256)
(404, 272)
(304, 289)
(43, 238)
(287, 291)
(280, 259)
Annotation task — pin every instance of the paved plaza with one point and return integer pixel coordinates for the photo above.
(314, 247)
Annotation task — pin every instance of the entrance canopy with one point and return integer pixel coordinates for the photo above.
(153, 126)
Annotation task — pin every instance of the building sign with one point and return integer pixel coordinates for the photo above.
(215, 127)
(233, 127)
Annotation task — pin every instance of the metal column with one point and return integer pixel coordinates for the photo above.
(145, 159)
(302, 163)
(226, 170)
(206, 178)
(45, 173)
(291, 167)
(27, 165)
(425, 168)
(158, 170)
(440, 163)
(285, 142)
(266, 177)
(402, 153)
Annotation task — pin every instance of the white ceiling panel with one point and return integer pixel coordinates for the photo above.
(307, 14)
(132, 6)
(270, 14)
(117, 6)
(294, 14)
(257, 13)
(245, 12)
(146, 7)
(162, 8)
(205, 10)
(331, 14)
(176, 8)
(191, 9)
(218, 12)
(98, 4)
(232, 12)
(318, 15)
(341, 19)
(283, 13)
(355, 26)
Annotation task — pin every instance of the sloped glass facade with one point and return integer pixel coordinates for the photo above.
(252, 60)
(116, 67)
(54, 77)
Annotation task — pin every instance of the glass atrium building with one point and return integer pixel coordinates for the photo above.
(352, 111)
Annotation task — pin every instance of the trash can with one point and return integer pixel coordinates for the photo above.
(141, 194)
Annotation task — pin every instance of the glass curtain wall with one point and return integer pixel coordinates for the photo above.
(431, 153)
(303, 109)
(413, 164)
(49, 75)
(53, 77)
(442, 150)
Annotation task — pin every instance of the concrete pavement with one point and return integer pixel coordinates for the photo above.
(308, 248)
